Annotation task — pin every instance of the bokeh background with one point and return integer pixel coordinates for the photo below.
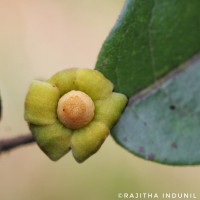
(37, 39)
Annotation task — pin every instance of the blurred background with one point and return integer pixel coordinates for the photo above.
(37, 39)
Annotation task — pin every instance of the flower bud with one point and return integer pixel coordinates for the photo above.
(73, 110)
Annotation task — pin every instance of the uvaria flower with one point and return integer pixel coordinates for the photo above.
(73, 110)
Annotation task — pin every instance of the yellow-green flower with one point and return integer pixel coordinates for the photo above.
(74, 109)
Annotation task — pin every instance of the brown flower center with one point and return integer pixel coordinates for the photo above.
(75, 109)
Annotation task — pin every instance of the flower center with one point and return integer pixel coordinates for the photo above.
(75, 109)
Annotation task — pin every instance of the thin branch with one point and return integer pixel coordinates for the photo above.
(7, 144)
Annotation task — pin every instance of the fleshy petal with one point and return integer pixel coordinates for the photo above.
(41, 103)
(93, 83)
(108, 110)
(86, 141)
(64, 80)
(54, 140)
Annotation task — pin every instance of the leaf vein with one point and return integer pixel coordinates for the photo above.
(150, 42)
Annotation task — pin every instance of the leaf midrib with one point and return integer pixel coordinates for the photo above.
(172, 74)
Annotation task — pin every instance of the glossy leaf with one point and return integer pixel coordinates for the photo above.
(149, 41)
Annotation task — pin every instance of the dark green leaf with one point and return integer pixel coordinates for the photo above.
(150, 39)
(163, 123)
